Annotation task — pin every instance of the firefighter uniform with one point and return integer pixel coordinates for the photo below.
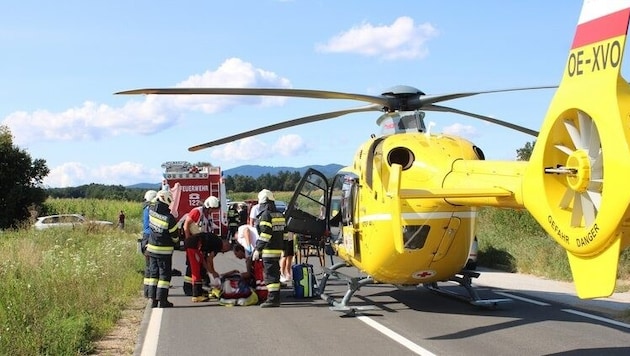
(162, 240)
(146, 233)
(233, 218)
(270, 245)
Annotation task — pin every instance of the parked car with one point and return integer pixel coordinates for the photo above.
(66, 220)
(281, 206)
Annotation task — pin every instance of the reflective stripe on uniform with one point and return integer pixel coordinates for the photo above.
(271, 253)
(273, 287)
(164, 284)
(160, 250)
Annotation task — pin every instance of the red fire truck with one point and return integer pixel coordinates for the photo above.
(192, 184)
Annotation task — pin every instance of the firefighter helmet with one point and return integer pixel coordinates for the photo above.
(150, 195)
(165, 197)
(265, 195)
(211, 203)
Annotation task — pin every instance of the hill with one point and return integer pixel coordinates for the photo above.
(256, 171)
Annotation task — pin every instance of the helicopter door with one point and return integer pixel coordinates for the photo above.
(341, 213)
(447, 238)
(306, 213)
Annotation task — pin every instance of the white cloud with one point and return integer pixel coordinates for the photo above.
(461, 130)
(147, 114)
(403, 39)
(72, 174)
(252, 148)
(290, 145)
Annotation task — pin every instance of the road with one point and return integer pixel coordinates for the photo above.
(402, 323)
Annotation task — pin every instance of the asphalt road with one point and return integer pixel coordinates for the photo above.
(403, 323)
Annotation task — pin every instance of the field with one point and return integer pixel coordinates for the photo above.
(62, 289)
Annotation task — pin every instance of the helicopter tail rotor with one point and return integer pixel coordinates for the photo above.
(581, 158)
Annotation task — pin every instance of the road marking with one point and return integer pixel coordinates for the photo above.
(523, 299)
(417, 349)
(149, 347)
(606, 320)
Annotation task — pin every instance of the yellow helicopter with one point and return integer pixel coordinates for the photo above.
(404, 211)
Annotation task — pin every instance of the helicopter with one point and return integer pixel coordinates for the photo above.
(405, 208)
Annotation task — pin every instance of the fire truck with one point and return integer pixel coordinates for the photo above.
(191, 185)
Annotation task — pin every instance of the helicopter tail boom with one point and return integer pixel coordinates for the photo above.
(585, 138)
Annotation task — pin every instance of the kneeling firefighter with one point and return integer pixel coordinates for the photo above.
(270, 244)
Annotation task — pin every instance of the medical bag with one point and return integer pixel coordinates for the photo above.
(304, 282)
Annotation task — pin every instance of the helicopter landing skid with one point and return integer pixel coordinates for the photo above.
(465, 280)
(354, 284)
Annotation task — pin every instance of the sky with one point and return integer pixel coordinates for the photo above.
(63, 61)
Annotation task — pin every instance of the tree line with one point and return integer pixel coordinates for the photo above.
(21, 183)
(282, 181)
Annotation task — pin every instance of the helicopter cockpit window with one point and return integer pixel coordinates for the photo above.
(395, 123)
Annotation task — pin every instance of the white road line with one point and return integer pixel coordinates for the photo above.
(149, 347)
(418, 350)
(523, 299)
(606, 320)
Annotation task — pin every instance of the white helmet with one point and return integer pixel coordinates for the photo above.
(150, 195)
(265, 195)
(211, 202)
(164, 196)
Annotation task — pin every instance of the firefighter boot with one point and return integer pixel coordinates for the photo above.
(198, 295)
(163, 299)
(273, 300)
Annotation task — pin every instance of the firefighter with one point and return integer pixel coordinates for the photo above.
(149, 199)
(269, 246)
(162, 240)
(233, 222)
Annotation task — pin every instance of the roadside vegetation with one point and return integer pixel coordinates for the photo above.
(63, 289)
(511, 240)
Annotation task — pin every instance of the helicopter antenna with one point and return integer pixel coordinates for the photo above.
(431, 124)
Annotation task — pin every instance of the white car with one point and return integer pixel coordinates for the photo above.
(66, 220)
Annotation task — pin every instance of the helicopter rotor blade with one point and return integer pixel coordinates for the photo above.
(297, 93)
(431, 99)
(404, 98)
(440, 108)
(284, 125)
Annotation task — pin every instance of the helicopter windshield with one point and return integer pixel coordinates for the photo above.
(401, 122)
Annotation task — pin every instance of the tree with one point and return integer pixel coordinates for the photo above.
(523, 154)
(20, 181)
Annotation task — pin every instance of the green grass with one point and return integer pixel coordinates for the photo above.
(63, 289)
(512, 240)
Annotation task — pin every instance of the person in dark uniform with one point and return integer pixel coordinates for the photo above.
(234, 219)
(272, 226)
(162, 241)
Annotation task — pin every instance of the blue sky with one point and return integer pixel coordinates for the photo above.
(62, 61)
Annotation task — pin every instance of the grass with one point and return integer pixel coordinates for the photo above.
(512, 240)
(62, 289)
